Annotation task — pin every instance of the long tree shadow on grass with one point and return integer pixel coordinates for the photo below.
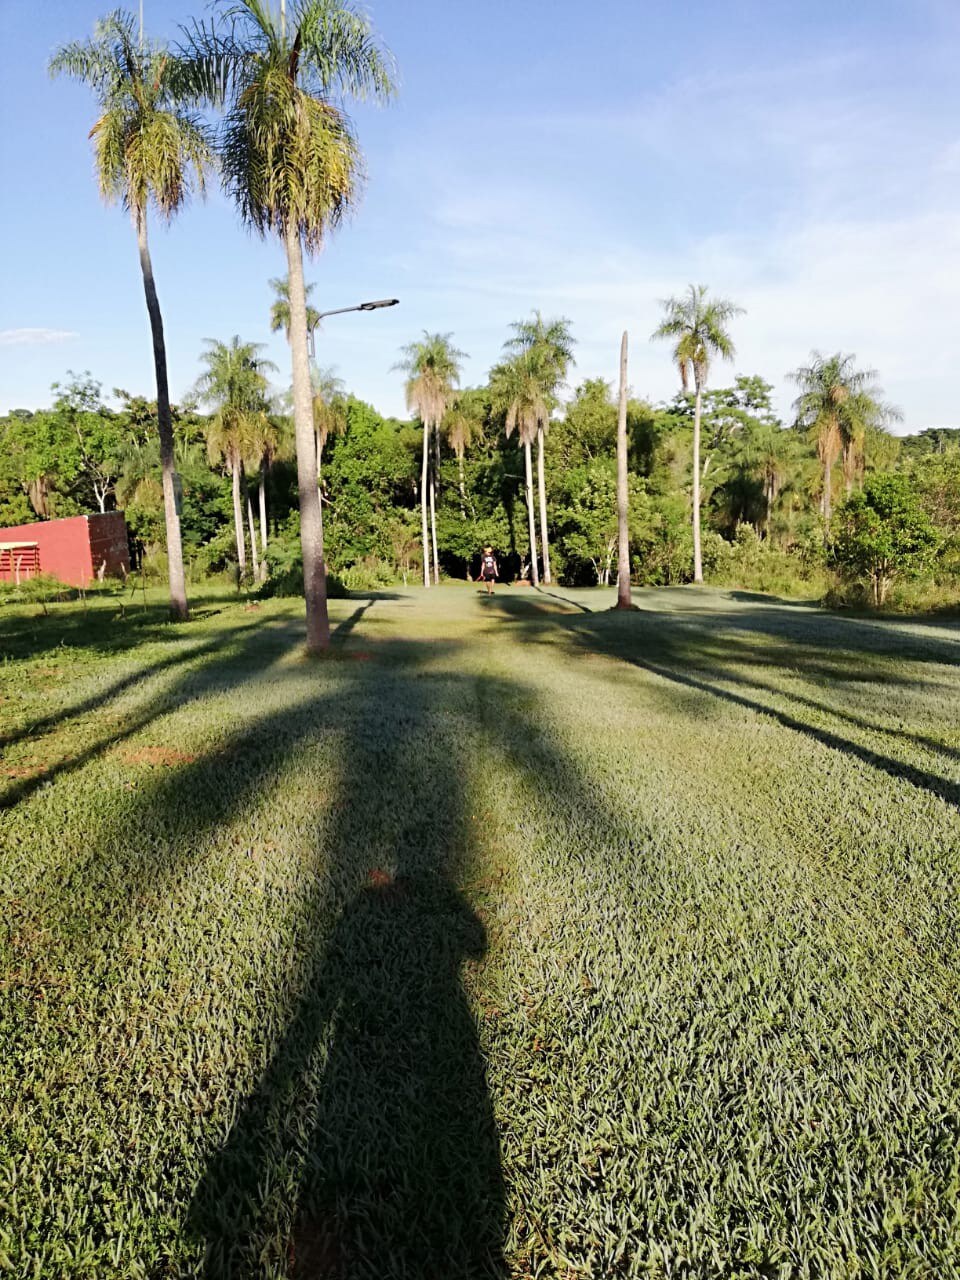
(185, 653)
(673, 654)
(368, 1147)
(240, 650)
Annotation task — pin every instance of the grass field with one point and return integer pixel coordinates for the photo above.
(515, 939)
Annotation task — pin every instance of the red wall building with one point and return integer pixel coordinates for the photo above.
(76, 551)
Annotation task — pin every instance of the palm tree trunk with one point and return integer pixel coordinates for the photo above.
(253, 539)
(434, 481)
(311, 515)
(827, 488)
(433, 527)
(697, 557)
(623, 523)
(424, 500)
(238, 522)
(171, 486)
(463, 486)
(263, 512)
(528, 465)
(542, 488)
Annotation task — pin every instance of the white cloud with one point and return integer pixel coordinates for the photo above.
(33, 337)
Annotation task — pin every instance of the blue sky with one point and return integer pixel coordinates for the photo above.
(803, 159)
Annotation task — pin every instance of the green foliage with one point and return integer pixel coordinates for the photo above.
(883, 532)
(148, 146)
(586, 521)
(697, 326)
(288, 153)
(753, 563)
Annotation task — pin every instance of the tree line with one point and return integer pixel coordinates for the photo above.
(509, 463)
(260, 97)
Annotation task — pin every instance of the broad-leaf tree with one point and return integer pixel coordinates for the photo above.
(292, 163)
(837, 407)
(698, 327)
(550, 344)
(432, 366)
(884, 533)
(100, 435)
(150, 150)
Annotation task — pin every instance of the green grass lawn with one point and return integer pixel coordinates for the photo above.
(515, 939)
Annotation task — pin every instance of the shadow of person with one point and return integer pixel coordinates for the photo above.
(405, 1177)
(368, 1148)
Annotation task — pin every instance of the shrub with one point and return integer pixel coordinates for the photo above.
(883, 533)
(756, 564)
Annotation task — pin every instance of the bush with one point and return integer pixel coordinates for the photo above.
(369, 574)
(883, 533)
(753, 563)
(285, 566)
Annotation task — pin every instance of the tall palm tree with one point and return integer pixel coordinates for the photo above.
(463, 426)
(516, 389)
(292, 164)
(624, 600)
(329, 408)
(697, 325)
(280, 311)
(148, 149)
(262, 446)
(552, 344)
(432, 367)
(837, 406)
(234, 385)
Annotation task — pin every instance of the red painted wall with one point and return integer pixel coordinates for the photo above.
(74, 549)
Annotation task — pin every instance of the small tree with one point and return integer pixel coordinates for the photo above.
(884, 534)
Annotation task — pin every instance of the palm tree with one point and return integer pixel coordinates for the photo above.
(432, 367)
(292, 164)
(623, 496)
(552, 344)
(837, 406)
(516, 389)
(263, 444)
(329, 408)
(463, 426)
(698, 327)
(148, 148)
(280, 311)
(234, 385)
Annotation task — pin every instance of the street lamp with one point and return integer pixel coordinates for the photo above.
(339, 311)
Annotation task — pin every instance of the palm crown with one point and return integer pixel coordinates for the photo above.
(517, 390)
(698, 326)
(551, 343)
(433, 373)
(280, 308)
(148, 145)
(288, 150)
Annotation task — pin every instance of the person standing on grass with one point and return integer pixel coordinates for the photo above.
(489, 569)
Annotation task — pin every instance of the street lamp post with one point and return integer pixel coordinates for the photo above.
(339, 311)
